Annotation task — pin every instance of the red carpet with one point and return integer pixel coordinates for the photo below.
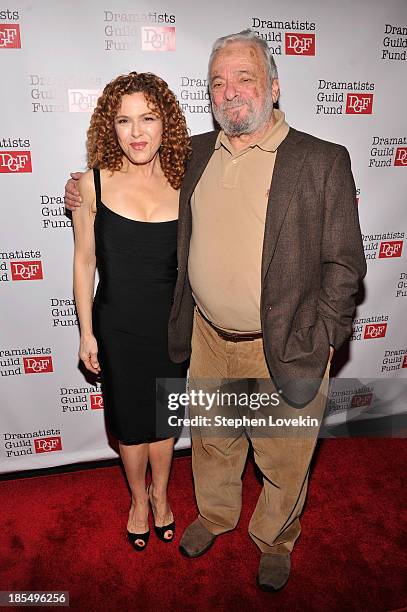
(65, 532)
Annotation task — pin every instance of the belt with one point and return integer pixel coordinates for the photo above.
(230, 336)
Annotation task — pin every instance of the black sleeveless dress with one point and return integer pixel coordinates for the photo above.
(137, 266)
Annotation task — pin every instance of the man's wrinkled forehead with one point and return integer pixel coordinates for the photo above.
(239, 56)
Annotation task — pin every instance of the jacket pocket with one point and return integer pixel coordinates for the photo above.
(306, 316)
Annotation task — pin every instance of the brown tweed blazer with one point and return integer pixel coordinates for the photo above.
(311, 264)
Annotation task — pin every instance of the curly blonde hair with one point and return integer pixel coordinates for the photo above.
(102, 145)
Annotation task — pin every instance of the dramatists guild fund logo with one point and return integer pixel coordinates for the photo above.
(194, 95)
(10, 36)
(26, 270)
(63, 312)
(390, 248)
(296, 37)
(82, 399)
(32, 360)
(361, 400)
(400, 158)
(82, 100)
(53, 212)
(38, 364)
(15, 157)
(394, 360)
(158, 38)
(299, 44)
(401, 286)
(359, 103)
(344, 97)
(61, 93)
(32, 442)
(383, 246)
(150, 31)
(348, 397)
(394, 44)
(15, 161)
(21, 266)
(388, 151)
(369, 328)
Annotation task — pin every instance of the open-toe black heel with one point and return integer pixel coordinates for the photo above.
(160, 531)
(132, 537)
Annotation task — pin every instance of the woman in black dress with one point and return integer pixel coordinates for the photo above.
(127, 227)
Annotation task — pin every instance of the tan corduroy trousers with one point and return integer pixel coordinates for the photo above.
(218, 459)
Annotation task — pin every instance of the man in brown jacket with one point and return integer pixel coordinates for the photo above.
(269, 260)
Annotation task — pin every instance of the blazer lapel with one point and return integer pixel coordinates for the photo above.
(203, 147)
(289, 160)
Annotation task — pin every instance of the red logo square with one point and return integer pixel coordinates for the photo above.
(375, 330)
(361, 399)
(82, 100)
(15, 161)
(390, 248)
(38, 364)
(48, 445)
(359, 104)
(10, 36)
(26, 270)
(96, 401)
(158, 38)
(401, 156)
(299, 44)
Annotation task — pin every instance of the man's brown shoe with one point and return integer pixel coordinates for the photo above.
(196, 540)
(274, 571)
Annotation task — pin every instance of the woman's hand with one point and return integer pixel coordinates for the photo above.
(72, 198)
(88, 353)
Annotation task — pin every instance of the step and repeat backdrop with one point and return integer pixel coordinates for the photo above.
(343, 69)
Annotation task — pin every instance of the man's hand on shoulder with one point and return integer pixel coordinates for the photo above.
(72, 198)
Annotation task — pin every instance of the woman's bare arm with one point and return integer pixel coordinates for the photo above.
(84, 270)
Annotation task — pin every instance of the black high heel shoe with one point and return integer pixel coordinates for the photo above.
(161, 531)
(132, 537)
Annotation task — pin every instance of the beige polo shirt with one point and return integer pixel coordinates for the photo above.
(229, 207)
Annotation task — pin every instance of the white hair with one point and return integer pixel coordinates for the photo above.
(247, 36)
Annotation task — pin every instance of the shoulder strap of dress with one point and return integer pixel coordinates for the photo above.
(96, 180)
